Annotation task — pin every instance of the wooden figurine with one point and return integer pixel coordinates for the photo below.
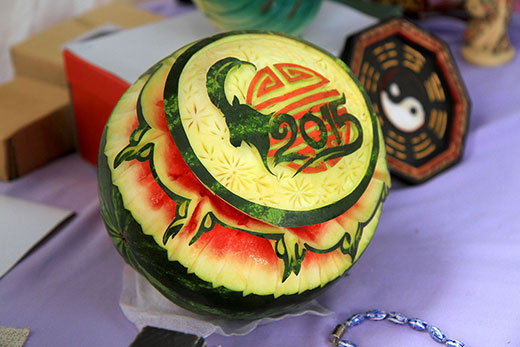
(486, 39)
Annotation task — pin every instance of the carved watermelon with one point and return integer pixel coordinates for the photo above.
(243, 174)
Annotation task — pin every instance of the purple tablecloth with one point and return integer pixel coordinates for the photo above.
(447, 251)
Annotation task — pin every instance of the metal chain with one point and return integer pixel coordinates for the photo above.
(394, 317)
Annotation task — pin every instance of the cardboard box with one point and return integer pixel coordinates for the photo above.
(39, 57)
(35, 118)
(113, 62)
(94, 93)
(37, 125)
(100, 70)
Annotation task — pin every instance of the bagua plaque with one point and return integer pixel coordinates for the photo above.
(417, 93)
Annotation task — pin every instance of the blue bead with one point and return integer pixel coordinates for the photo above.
(436, 334)
(397, 318)
(454, 343)
(355, 320)
(417, 324)
(346, 343)
(376, 315)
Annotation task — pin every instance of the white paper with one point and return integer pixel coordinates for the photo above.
(129, 53)
(98, 32)
(143, 305)
(23, 225)
(333, 24)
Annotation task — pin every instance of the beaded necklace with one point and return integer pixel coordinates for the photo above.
(336, 338)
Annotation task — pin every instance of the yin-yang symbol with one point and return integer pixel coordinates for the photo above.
(416, 93)
(404, 111)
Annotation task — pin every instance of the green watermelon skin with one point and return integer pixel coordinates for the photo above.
(189, 291)
(170, 277)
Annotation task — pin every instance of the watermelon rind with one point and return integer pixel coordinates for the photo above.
(175, 253)
(272, 215)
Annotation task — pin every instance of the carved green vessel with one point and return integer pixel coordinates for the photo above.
(288, 16)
